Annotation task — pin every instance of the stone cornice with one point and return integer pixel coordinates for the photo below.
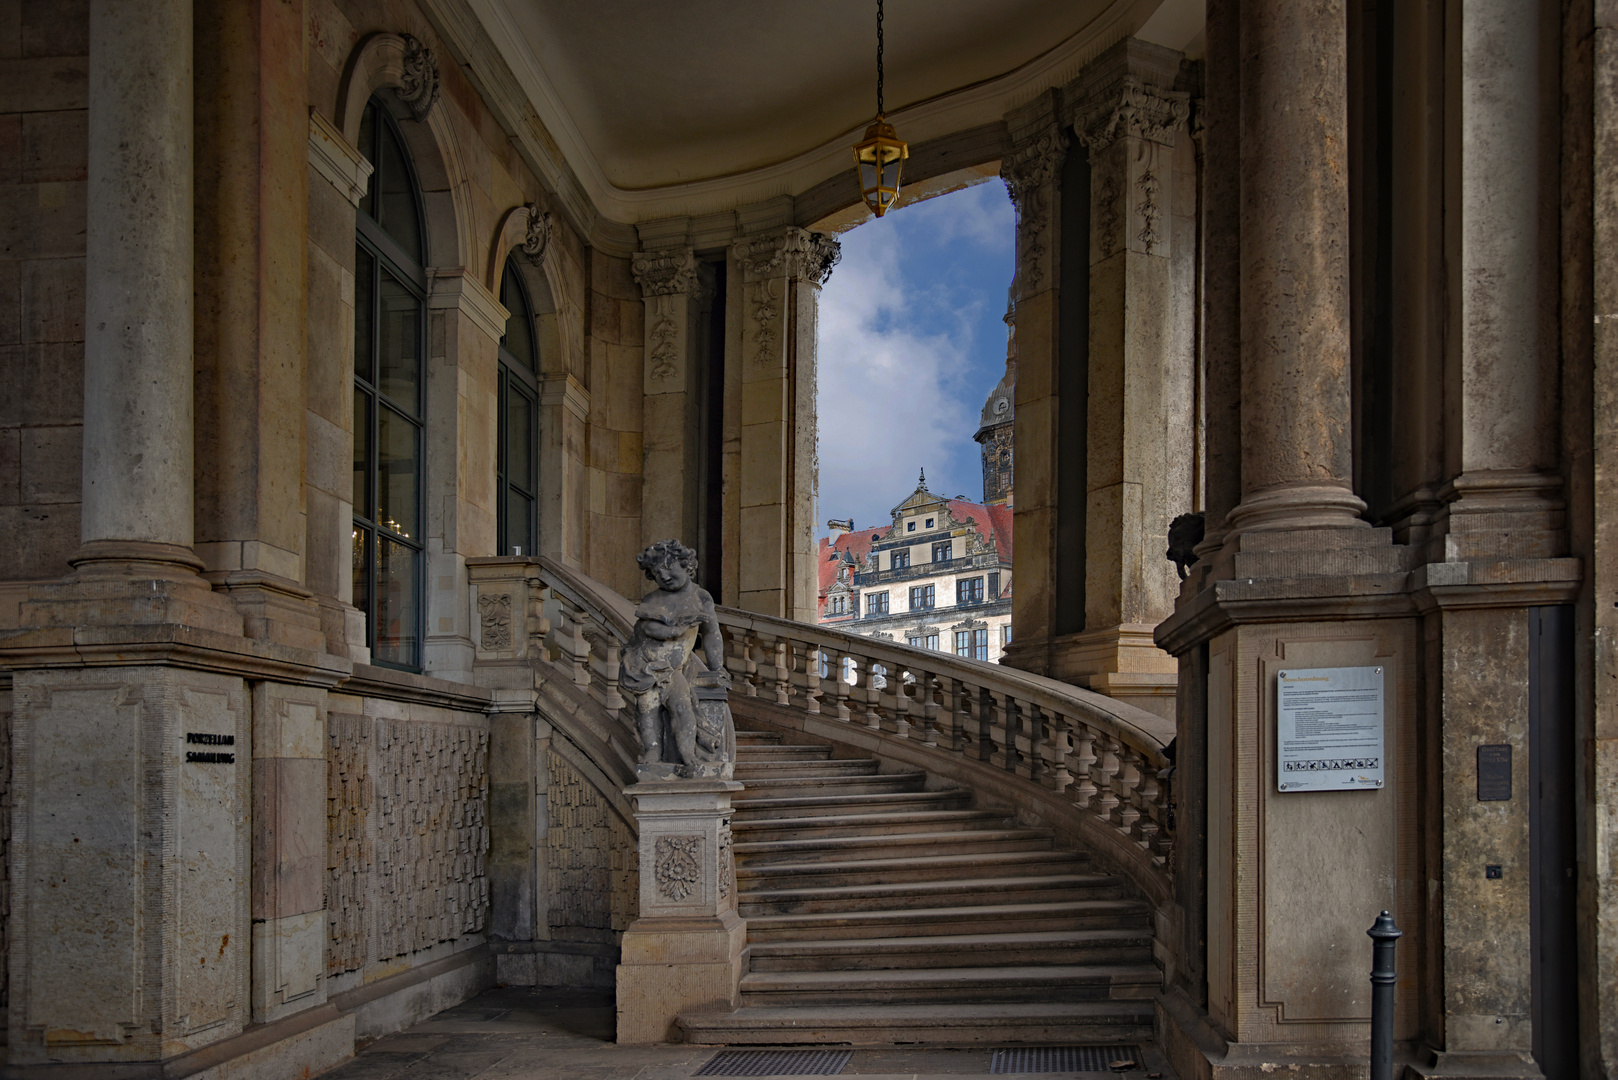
(464, 292)
(791, 253)
(666, 273)
(333, 157)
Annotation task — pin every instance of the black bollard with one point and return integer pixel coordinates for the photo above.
(1384, 975)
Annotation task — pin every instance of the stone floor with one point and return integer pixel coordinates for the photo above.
(523, 1034)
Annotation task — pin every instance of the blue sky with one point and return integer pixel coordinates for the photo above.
(911, 342)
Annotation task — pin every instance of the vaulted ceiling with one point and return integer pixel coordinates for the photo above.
(648, 99)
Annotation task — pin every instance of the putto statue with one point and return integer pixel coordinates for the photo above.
(674, 673)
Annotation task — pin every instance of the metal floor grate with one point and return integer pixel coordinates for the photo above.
(776, 1063)
(1053, 1059)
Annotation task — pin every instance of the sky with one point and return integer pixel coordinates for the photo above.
(912, 340)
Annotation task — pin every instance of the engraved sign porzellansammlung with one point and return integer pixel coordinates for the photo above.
(1329, 729)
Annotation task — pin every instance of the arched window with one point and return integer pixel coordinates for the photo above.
(390, 337)
(517, 459)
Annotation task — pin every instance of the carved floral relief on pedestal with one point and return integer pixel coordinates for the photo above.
(494, 617)
(678, 866)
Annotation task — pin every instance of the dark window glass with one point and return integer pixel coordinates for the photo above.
(963, 643)
(932, 642)
(390, 327)
(941, 551)
(980, 644)
(994, 585)
(910, 526)
(517, 467)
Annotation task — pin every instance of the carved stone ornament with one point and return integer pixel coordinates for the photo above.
(1029, 173)
(1150, 209)
(679, 866)
(494, 613)
(726, 871)
(418, 86)
(792, 253)
(763, 312)
(665, 273)
(673, 672)
(1134, 111)
(665, 355)
(539, 234)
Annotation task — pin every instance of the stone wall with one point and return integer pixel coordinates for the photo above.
(42, 188)
(407, 837)
(594, 885)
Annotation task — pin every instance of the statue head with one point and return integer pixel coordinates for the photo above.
(669, 563)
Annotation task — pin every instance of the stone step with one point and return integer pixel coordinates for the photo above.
(760, 853)
(968, 985)
(949, 892)
(1104, 1022)
(780, 751)
(749, 738)
(807, 769)
(831, 786)
(779, 806)
(970, 866)
(1060, 947)
(1107, 913)
(866, 824)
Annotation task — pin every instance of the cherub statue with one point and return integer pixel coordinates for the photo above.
(674, 672)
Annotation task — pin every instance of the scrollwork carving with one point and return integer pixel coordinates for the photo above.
(678, 866)
(538, 237)
(1149, 209)
(418, 86)
(665, 355)
(1029, 174)
(494, 613)
(792, 253)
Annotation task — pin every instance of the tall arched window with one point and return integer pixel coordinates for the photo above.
(390, 337)
(518, 464)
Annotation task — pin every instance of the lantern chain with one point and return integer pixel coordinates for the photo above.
(879, 110)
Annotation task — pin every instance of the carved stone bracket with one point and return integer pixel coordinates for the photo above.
(1133, 110)
(538, 236)
(791, 253)
(666, 273)
(418, 87)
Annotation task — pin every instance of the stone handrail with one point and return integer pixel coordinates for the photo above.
(1100, 756)
(1094, 755)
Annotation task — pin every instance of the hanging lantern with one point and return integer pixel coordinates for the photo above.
(880, 156)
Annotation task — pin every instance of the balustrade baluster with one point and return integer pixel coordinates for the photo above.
(1038, 744)
(985, 724)
(1105, 771)
(901, 704)
(1146, 824)
(614, 665)
(1126, 780)
(1005, 719)
(813, 688)
(1084, 791)
(1060, 778)
(750, 664)
(781, 673)
(873, 694)
(929, 708)
(840, 673)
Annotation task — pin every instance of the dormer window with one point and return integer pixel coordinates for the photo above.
(910, 526)
(929, 523)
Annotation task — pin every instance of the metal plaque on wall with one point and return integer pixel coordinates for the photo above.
(1329, 729)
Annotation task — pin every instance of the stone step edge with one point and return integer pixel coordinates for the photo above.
(953, 942)
(824, 843)
(1044, 907)
(1003, 884)
(1017, 975)
(941, 1014)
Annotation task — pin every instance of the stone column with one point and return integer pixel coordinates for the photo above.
(1033, 175)
(1140, 432)
(1296, 462)
(138, 286)
(673, 285)
(685, 950)
(781, 275)
(1505, 495)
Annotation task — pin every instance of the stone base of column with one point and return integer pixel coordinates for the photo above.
(1476, 1065)
(1499, 514)
(1122, 662)
(687, 948)
(273, 608)
(119, 585)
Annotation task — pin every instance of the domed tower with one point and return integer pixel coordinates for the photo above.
(995, 429)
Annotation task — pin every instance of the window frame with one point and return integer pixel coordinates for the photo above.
(899, 559)
(969, 590)
(945, 546)
(872, 607)
(389, 257)
(515, 378)
(926, 593)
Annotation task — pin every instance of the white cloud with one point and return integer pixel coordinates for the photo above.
(890, 402)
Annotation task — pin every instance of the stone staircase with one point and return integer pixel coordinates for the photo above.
(882, 911)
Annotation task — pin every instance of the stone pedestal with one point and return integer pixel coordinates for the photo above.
(685, 950)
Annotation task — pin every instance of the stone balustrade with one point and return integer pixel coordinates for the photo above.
(1047, 739)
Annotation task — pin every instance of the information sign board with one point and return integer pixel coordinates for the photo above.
(1329, 728)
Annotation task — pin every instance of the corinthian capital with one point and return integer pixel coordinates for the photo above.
(791, 253)
(1133, 110)
(665, 273)
(1033, 165)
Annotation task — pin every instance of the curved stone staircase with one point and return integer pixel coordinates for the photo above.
(882, 909)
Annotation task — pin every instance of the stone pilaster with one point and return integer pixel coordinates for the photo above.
(1032, 172)
(685, 951)
(1140, 431)
(674, 285)
(781, 275)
